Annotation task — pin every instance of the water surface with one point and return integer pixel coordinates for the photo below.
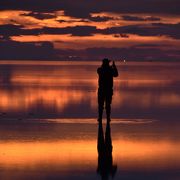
(48, 125)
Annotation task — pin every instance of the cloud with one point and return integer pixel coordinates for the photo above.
(121, 35)
(82, 8)
(74, 31)
(46, 51)
(8, 30)
(40, 16)
(154, 29)
(151, 18)
(17, 50)
(171, 30)
(135, 54)
(17, 30)
(100, 19)
(138, 18)
(93, 23)
(150, 45)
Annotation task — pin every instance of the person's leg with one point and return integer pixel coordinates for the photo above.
(100, 104)
(108, 105)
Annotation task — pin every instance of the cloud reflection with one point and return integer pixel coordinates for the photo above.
(62, 91)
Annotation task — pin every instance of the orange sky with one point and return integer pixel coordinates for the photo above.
(67, 27)
(97, 40)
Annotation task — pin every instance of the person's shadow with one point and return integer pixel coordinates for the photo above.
(104, 146)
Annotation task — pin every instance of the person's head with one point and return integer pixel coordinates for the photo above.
(105, 62)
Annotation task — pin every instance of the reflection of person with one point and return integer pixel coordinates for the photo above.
(105, 160)
(105, 90)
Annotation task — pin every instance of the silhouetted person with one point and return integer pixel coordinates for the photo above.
(105, 159)
(105, 90)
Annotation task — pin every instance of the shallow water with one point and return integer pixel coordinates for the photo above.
(48, 124)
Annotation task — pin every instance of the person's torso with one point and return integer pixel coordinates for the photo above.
(105, 78)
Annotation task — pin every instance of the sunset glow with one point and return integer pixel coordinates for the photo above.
(89, 89)
(67, 29)
(130, 153)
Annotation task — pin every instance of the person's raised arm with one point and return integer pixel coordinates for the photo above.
(98, 70)
(115, 71)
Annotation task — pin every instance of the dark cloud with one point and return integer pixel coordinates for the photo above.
(82, 8)
(172, 30)
(154, 29)
(74, 31)
(8, 30)
(17, 30)
(100, 19)
(46, 51)
(151, 45)
(40, 16)
(152, 18)
(135, 54)
(142, 52)
(12, 50)
(121, 35)
(138, 18)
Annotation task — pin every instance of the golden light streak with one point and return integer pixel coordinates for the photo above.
(60, 98)
(24, 100)
(97, 40)
(144, 153)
